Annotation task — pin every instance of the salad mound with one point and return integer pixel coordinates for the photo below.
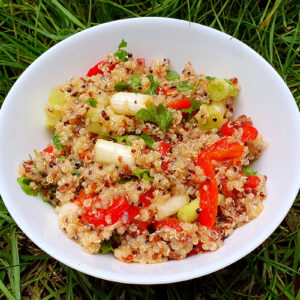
(146, 163)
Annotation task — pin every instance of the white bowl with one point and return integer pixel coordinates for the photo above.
(264, 97)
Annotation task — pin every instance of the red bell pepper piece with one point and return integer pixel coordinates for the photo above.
(166, 92)
(82, 196)
(164, 148)
(48, 149)
(119, 210)
(141, 62)
(182, 103)
(252, 182)
(165, 165)
(208, 193)
(146, 198)
(168, 222)
(141, 225)
(250, 133)
(95, 69)
(84, 154)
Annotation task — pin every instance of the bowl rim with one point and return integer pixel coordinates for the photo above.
(120, 278)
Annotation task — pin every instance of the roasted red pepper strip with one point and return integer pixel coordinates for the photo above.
(223, 150)
(168, 222)
(182, 103)
(208, 193)
(249, 133)
(227, 129)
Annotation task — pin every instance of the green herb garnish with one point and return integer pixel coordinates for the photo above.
(194, 106)
(160, 116)
(24, 183)
(148, 140)
(76, 173)
(210, 78)
(183, 86)
(123, 181)
(122, 139)
(172, 75)
(61, 158)
(92, 102)
(36, 153)
(153, 87)
(135, 81)
(143, 174)
(121, 86)
(43, 196)
(122, 54)
(248, 171)
(56, 141)
(106, 247)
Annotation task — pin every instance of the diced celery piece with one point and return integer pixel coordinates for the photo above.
(52, 118)
(213, 116)
(220, 89)
(188, 213)
(94, 115)
(57, 97)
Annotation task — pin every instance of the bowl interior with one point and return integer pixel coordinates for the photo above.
(264, 97)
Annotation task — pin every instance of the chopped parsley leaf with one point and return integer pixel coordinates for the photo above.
(194, 106)
(61, 158)
(148, 140)
(248, 171)
(43, 196)
(210, 78)
(153, 87)
(121, 86)
(161, 116)
(183, 86)
(106, 247)
(172, 75)
(143, 174)
(92, 102)
(125, 180)
(122, 139)
(135, 81)
(56, 142)
(24, 183)
(122, 54)
(76, 173)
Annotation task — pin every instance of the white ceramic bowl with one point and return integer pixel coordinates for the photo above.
(264, 97)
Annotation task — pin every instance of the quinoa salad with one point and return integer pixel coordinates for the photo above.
(146, 163)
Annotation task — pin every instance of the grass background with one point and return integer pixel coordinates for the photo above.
(29, 28)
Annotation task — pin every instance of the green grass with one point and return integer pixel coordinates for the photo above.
(29, 28)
